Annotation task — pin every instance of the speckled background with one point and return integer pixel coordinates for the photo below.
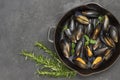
(22, 22)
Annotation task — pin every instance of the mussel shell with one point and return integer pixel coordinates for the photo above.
(65, 47)
(100, 51)
(94, 22)
(109, 41)
(70, 35)
(78, 48)
(72, 24)
(97, 44)
(89, 29)
(106, 39)
(82, 19)
(96, 63)
(90, 13)
(80, 63)
(97, 31)
(78, 32)
(113, 33)
(108, 54)
(106, 23)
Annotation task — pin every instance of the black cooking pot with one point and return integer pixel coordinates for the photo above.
(60, 26)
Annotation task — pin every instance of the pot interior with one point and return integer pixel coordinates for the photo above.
(59, 28)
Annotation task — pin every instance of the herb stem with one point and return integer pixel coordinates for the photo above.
(57, 74)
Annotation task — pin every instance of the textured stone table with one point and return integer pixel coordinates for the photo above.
(22, 22)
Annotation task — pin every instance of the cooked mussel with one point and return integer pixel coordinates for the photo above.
(100, 51)
(80, 63)
(71, 36)
(65, 47)
(96, 31)
(97, 44)
(72, 24)
(98, 60)
(78, 48)
(88, 51)
(78, 32)
(82, 19)
(114, 33)
(90, 13)
(108, 41)
(68, 33)
(94, 22)
(108, 54)
(89, 28)
(106, 23)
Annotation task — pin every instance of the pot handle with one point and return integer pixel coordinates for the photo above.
(51, 33)
(94, 3)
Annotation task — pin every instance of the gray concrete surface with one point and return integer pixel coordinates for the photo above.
(22, 22)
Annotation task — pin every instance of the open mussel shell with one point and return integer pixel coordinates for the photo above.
(65, 47)
(108, 41)
(90, 13)
(113, 33)
(88, 51)
(96, 63)
(80, 63)
(82, 19)
(108, 54)
(97, 31)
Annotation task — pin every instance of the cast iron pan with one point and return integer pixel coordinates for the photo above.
(104, 66)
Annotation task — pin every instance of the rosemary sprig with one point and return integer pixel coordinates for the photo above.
(53, 65)
(58, 73)
(40, 59)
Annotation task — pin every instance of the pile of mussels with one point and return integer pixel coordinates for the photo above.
(88, 39)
